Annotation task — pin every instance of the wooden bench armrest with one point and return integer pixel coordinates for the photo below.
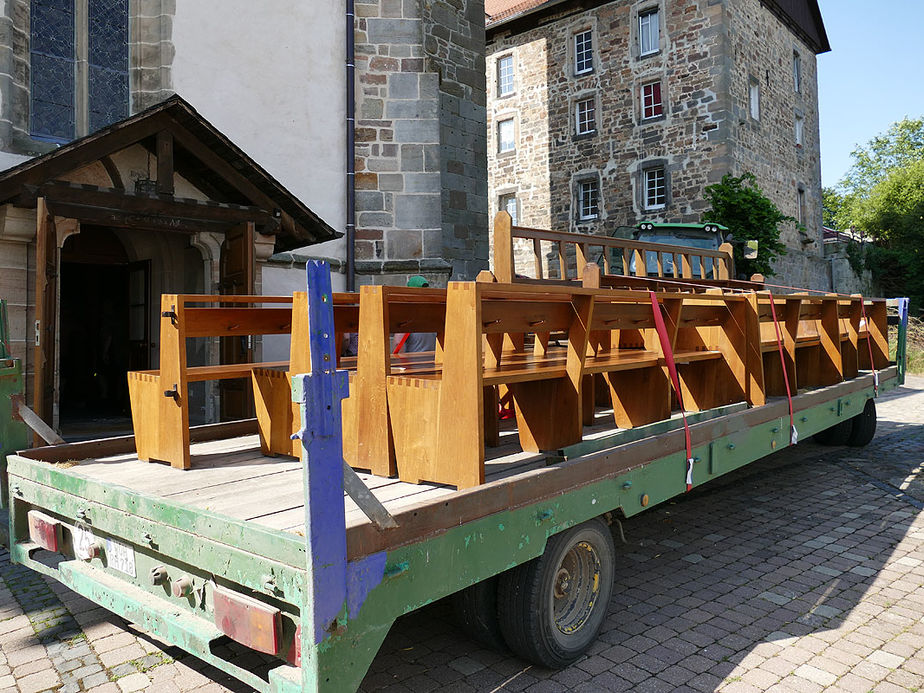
(225, 371)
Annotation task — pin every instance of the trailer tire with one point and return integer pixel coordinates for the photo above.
(551, 608)
(863, 426)
(838, 434)
(475, 608)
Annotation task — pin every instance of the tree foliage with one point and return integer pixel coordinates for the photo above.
(740, 204)
(902, 144)
(831, 203)
(883, 197)
(893, 213)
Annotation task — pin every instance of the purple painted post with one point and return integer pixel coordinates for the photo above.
(337, 589)
(321, 392)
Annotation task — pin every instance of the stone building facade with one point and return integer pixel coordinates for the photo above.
(274, 82)
(603, 114)
(421, 146)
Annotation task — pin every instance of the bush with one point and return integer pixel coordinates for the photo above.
(740, 204)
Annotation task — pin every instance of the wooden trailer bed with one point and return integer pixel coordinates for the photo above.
(273, 538)
(232, 477)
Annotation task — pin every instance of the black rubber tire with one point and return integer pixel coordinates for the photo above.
(838, 434)
(526, 599)
(863, 426)
(475, 608)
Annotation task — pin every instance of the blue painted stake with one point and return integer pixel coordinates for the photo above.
(901, 353)
(337, 588)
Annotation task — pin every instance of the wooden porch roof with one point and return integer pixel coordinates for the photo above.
(200, 153)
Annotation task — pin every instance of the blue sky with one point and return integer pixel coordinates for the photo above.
(873, 76)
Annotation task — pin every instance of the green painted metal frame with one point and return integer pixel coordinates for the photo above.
(412, 575)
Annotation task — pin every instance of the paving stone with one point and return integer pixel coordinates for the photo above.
(886, 659)
(843, 609)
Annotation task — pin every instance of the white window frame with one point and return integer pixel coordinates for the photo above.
(503, 63)
(754, 98)
(797, 72)
(799, 130)
(504, 201)
(588, 186)
(583, 43)
(650, 189)
(649, 30)
(581, 120)
(502, 124)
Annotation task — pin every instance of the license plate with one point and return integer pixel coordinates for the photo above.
(83, 542)
(120, 557)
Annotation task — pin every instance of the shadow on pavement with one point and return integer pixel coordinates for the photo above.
(735, 574)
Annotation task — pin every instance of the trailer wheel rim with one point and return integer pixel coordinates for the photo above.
(576, 588)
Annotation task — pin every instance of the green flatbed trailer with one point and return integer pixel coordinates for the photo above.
(317, 598)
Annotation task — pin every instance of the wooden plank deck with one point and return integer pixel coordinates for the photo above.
(232, 477)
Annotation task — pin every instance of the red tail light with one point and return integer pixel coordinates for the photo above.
(44, 530)
(295, 650)
(248, 621)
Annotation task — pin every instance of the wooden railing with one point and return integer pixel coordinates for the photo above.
(619, 256)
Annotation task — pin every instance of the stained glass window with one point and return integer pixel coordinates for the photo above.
(58, 102)
(107, 28)
(53, 69)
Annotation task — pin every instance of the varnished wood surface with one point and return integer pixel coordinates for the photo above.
(230, 476)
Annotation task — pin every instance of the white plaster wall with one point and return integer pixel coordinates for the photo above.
(270, 75)
(283, 281)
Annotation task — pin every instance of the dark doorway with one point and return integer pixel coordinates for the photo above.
(104, 333)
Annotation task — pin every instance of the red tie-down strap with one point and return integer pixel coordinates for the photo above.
(869, 344)
(401, 342)
(794, 434)
(668, 350)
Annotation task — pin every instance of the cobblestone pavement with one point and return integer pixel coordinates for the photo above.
(802, 572)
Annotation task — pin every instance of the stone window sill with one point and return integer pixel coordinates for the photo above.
(577, 137)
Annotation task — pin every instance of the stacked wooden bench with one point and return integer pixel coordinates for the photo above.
(558, 347)
(438, 417)
(160, 398)
(278, 417)
(623, 263)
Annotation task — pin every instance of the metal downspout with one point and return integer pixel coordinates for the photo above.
(350, 149)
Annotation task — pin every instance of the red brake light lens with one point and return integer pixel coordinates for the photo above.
(44, 530)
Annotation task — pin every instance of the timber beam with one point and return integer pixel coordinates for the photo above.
(155, 212)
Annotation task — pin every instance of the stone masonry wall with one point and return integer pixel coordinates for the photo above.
(550, 159)
(705, 48)
(421, 200)
(454, 46)
(761, 47)
(151, 55)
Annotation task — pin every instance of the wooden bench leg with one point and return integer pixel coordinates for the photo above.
(588, 399)
(375, 445)
(414, 407)
(640, 396)
(708, 384)
(491, 424)
(144, 394)
(546, 420)
(272, 395)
